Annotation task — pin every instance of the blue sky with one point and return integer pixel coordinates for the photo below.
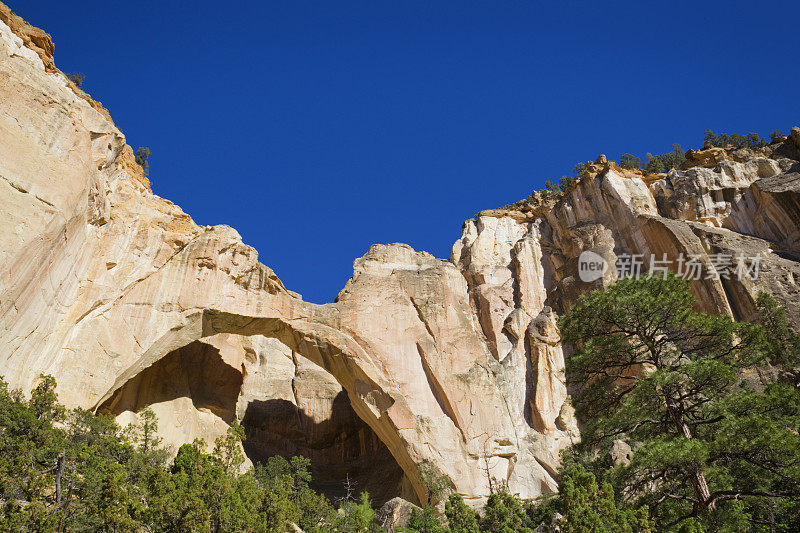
(319, 128)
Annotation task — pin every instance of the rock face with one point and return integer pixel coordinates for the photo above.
(395, 514)
(452, 364)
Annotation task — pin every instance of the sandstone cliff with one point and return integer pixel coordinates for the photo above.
(456, 364)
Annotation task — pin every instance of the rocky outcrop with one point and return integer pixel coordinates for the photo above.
(452, 364)
(34, 39)
(395, 514)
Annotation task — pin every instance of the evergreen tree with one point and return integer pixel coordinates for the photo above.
(426, 521)
(776, 135)
(708, 442)
(735, 140)
(436, 483)
(585, 506)
(783, 344)
(504, 514)
(355, 517)
(629, 161)
(228, 448)
(460, 517)
(665, 162)
(143, 159)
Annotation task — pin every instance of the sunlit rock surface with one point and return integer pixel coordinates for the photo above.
(456, 364)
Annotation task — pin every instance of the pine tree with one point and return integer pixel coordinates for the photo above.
(504, 514)
(426, 521)
(708, 441)
(585, 506)
(460, 517)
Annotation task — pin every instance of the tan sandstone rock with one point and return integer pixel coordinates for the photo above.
(395, 514)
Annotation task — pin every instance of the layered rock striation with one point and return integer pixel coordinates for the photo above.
(455, 365)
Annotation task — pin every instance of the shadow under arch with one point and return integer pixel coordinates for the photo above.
(195, 371)
(331, 349)
(341, 447)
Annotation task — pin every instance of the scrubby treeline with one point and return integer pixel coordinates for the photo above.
(651, 164)
(74, 471)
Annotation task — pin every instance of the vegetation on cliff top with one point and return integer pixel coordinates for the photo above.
(76, 77)
(652, 164)
(143, 159)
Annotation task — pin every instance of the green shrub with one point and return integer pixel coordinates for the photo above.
(460, 517)
(724, 140)
(436, 483)
(504, 514)
(426, 521)
(776, 135)
(76, 77)
(143, 159)
(665, 162)
(629, 161)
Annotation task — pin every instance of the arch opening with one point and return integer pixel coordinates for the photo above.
(287, 404)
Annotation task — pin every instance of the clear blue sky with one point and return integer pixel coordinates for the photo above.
(319, 128)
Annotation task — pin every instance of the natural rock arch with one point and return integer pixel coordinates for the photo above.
(325, 346)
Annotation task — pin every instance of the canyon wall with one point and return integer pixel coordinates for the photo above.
(420, 363)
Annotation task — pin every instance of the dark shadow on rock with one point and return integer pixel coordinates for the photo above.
(341, 447)
(195, 371)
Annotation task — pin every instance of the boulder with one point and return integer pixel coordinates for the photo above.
(394, 514)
